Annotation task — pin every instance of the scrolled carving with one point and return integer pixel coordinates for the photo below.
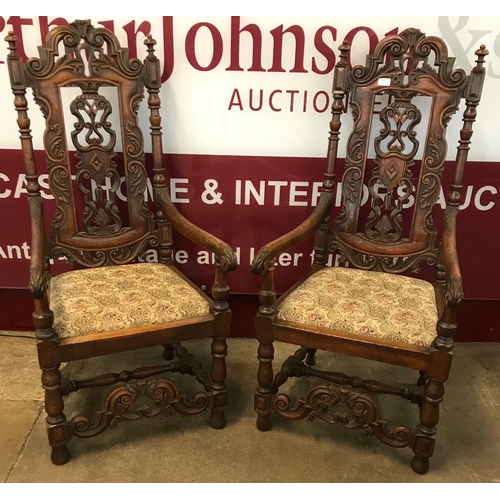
(400, 437)
(370, 262)
(436, 152)
(134, 147)
(411, 44)
(118, 406)
(111, 256)
(402, 264)
(53, 140)
(362, 412)
(227, 258)
(449, 77)
(351, 182)
(78, 38)
(284, 405)
(186, 406)
(138, 178)
(261, 262)
(399, 119)
(59, 179)
(92, 104)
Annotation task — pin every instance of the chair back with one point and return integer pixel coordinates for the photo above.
(408, 77)
(89, 227)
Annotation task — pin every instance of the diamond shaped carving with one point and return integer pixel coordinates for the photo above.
(97, 162)
(392, 170)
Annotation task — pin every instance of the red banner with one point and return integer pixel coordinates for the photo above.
(249, 201)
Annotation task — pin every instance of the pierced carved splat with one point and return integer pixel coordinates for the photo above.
(393, 161)
(404, 67)
(89, 58)
(94, 140)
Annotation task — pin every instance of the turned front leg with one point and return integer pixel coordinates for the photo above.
(264, 332)
(218, 375)
(48, 357)
(57, 426)
(425, 437)
(264, 393)
(218, 372)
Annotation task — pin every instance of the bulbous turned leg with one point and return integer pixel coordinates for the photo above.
(168, 352)
(57, 426)
(311, 357)
(420, 465)
(60, 455)
(264, 393)
(218, 376)
(425, 436)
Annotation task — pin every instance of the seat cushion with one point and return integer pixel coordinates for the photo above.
(368, 303)
(111, 298)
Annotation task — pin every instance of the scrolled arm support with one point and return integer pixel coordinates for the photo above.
(38, 280)
(264, 258)
(227, 257)
(454, 290)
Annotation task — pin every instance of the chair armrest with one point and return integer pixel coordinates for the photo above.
(226, 255)
(38, 282)
(265, 256)
(454, 290)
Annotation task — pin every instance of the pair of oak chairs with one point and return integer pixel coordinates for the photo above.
(369, 309)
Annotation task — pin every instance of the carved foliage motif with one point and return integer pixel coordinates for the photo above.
(370, 262)
(81, 44)
(98, 258)
(454, 292)
(120, 406)
(362, 412)
(355, 159)
(57, 165)
(432, 170)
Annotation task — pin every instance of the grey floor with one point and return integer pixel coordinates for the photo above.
(187, 450)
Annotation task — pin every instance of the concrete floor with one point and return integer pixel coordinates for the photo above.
(182, 450)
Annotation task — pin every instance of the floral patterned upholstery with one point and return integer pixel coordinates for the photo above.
(111, 298)
(377, 304)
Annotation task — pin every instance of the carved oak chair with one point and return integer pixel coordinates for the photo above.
(370, 309)
(111, 304)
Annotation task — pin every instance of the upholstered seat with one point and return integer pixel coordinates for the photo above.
(112, 298)
(383, 305)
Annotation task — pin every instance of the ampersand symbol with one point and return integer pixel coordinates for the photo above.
(450, 36)
(210, 186)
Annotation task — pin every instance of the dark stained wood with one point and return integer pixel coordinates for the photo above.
(89, 58)
(401, 68)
